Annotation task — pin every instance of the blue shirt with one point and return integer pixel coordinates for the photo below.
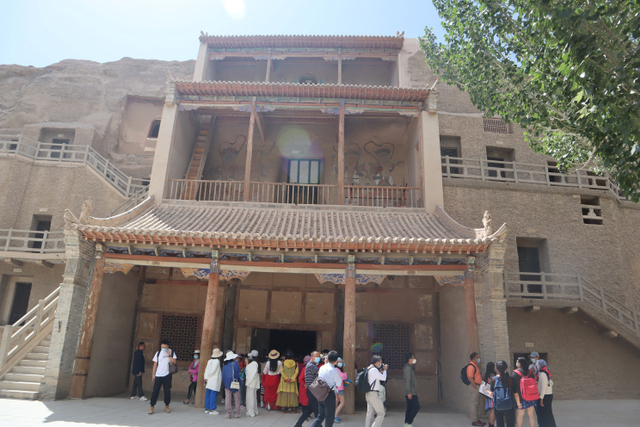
(230, 372)
(330, 375)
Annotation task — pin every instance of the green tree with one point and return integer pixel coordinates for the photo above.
(566, 71)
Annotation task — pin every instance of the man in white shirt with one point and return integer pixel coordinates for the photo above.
(252, 377)
(161, 375)
(376, 372)
(327, 408)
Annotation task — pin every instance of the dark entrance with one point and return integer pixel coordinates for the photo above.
(300, 343)
(20, 302)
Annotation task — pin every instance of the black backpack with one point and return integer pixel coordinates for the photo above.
(463, 374)
(362, 382)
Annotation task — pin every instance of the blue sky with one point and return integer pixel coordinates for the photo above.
(43, 32)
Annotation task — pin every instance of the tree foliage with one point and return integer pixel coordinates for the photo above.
(566, 71)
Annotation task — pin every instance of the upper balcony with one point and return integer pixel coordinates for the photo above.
(348, 60)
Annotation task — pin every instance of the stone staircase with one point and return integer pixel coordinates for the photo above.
(23, 380)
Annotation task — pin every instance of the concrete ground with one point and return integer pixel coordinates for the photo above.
(121, 411)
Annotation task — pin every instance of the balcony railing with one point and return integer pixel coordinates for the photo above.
(298, 194)
(36, 150)
(37, 242)
(571, 288)
(523, 173)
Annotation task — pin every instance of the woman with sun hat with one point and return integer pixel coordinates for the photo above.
(272, 379)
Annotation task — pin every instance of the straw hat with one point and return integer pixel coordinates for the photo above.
(216, 353)
(274, 354)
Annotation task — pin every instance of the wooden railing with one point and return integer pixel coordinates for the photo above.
(41, 242)
(524, 173)
(217, 191)
(383, 197)
(298, 194)
(36, 150)
(20, 337)
(564, 287)
(140, 196)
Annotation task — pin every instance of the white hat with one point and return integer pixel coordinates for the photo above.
(254, 353)
(216, 353)
(230, 355)
(196, 352)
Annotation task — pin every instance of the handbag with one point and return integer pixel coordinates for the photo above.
(320, 389)
(235, 384)
(173, 368)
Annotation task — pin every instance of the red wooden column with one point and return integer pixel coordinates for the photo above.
(247, 167)
(349, 346)
(341, 155)
(470, 309)
(83, 358)
(208, 326)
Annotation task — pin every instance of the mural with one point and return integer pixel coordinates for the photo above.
(353, 169)
(265, 170)
(203, 273)
(380, 170)
(228, 152)
(114, 267)
(361, 279)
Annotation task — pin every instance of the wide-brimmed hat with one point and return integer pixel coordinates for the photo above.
(230, 355)
(216, 353)
(196, 352)
(254, 353)
(274, 354)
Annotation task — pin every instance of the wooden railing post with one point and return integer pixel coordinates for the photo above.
(6, 246)
(543, 279)
(247, 167)
(4, 344)
(341, 154)
(44, 241)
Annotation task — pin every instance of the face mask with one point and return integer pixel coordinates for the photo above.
(196, 357)
(414, 362)
(316, 360)
(339, 365)
(478, 360)
(533, 360)
(165, 349)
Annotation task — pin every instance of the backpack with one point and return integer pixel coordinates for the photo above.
(362, 382)
(528, 388)
(463, 374)
(502, 395)
(320, 389)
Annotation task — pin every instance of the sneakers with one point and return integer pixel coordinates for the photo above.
(133, 398)
(206, 411)
(143, 398)
(337, 420)
(408, 425)
(150, 410)
(214, 413)
(166, 409)
(252, 415)
(478, 423)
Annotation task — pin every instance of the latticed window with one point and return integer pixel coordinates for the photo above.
(391, 342)
(181, 332)
(497, 126)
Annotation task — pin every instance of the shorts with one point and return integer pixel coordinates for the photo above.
(528, 403)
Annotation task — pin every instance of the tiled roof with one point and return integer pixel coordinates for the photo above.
(295, 41)
(293, 228)
(297, 90)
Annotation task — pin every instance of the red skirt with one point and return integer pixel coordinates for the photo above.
(271, 383)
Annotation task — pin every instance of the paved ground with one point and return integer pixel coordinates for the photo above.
(121, 411)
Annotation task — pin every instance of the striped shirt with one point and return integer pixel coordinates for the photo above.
(310, 373)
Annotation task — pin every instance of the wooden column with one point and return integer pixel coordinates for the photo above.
(83, 357)
(269, 65)
(208, 327)
(470, 309)
(341, 155)
(247, 167)
(340, 71)
(229, 315)
(349, 346)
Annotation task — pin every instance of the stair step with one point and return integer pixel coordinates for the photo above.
(45, 343)
(20, 385)
(34, 363)
(40, 349)
(20, 394)
(21, 377)
(37, 356)
(204, 132)
(36, 370)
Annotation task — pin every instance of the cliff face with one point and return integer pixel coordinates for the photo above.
(86, 92)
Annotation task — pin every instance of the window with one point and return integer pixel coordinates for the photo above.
(40, 223)
(591, 210)
(181, 332)
(450, 146)
(497, 126)
(391, 342)
(154, 129)
(57, 147)
(499, 158)
(20, 301)
(304, 171)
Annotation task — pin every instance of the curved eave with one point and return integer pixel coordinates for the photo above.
(302, 41)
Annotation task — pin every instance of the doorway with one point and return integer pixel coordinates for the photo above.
(300, 343)
(20, 302)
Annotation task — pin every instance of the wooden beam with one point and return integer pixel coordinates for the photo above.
(532, 308)
(341, 155)
(208, 328)
(83, 358)
(247, 170)
(610, 334)
(471, 314)
(349, 346)
(570, 310)
(15, 262)
(44, 263)
(260, 122)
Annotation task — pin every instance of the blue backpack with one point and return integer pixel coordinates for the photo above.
(502, 394)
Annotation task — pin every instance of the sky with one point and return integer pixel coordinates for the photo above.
(43, 32)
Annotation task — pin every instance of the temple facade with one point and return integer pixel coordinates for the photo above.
(302, 193)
